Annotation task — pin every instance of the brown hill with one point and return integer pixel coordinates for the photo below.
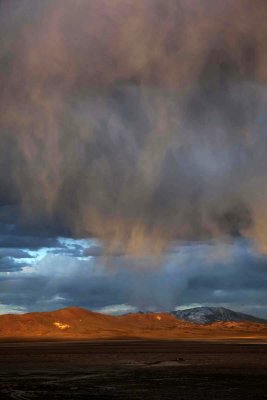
(78, 323)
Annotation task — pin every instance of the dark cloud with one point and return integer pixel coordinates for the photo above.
(14, 253)
(8, 264)
(233, 275)
(136, 123)
(141, 124)
(28, 242)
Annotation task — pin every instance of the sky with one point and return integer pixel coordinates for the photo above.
(41, 272)
(133, 154)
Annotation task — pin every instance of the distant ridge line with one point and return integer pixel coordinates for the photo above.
(75, 323)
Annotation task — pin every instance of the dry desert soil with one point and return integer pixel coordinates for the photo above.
(133, 369)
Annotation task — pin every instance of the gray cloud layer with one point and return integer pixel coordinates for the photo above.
(232, 274)
(135, 122)
(141, 124)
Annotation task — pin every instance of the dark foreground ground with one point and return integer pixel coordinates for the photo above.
(133, 370)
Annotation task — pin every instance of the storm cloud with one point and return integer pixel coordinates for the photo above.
(78, 272)
(135, 122)
(133, 154)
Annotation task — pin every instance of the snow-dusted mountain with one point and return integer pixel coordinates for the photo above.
(209, 315)
(74, 323)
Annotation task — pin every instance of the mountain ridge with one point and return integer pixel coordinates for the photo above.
(78, 323)
(208, 315)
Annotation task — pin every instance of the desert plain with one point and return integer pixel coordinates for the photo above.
(147, 356)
